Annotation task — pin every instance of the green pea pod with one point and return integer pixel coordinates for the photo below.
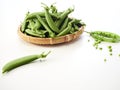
(22, 61)
(65, 31)
(24, 23)
(76, 27)
(33, 15)
(64, 25)
(50, 21)
(42, 32)
(63, 16)
(33, 33)
(72, 30)
(42, 14)
(37, 24)
(31, 24)
(105, 36)
(51, 34)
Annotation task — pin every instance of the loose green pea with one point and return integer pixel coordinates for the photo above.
(111, 54)
(109, 47)
(105, 60)
(100, 48)
(119, 55)
(110, 50)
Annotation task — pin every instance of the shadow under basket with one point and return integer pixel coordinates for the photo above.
(50, 41)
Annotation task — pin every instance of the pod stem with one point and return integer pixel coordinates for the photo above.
(87, 32)
(44, 55)
(45, 6)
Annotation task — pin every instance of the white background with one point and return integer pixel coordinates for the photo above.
(72, 66)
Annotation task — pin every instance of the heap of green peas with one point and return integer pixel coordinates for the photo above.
(50, 23)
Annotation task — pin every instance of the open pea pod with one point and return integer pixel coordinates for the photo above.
(105, 36)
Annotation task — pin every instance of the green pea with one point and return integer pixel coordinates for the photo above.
(88, 40)
(109, 47)
(100, 48)
(105, 60)
(119, 55)
(111, 54)
(110, 50)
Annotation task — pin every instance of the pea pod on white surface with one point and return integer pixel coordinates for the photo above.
(22, 61)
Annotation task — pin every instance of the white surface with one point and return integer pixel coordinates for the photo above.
(72, 66)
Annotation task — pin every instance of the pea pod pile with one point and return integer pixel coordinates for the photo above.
(50, 23)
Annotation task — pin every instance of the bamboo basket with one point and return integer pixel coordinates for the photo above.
(51, 41)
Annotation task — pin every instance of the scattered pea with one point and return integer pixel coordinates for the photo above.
(105, 60)
(119, 55)
(100, 48)
(88, 40)
(111, 54)
(109, 47)
(96, 47)
(110, 50)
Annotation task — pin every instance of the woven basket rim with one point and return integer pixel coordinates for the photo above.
(50, 41)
